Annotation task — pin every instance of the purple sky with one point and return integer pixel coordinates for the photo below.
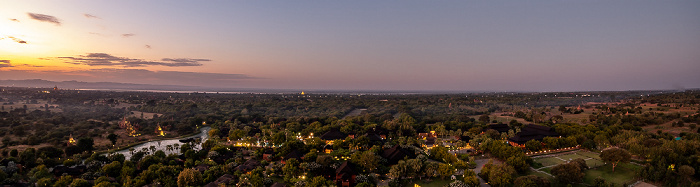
(349, 45)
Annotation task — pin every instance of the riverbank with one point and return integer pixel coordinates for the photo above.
(161, 144)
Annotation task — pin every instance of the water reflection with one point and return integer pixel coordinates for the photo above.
(167, 146)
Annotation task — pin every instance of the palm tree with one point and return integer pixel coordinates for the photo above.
(145, 150)
(153, 149)
(169, 147)
(176, 146)
(131, 150)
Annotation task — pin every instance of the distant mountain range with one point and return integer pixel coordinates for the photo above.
(115, 86)
(40, 83)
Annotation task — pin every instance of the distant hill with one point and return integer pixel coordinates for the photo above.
(40, 83)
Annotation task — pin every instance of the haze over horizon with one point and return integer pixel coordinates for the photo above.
(357, 45)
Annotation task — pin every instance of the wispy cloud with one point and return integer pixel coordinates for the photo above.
(17, 40)
(148, 46)
(185, 60)
(104, 59)
(91, 16)
(44, 18)
(15, 20)
(5, 63)
(128, 35)
(28, 65)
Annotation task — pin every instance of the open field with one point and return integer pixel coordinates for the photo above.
(669, 128)
(39, 105)
(592, 159)
(572, 156)
(549, 161)
(143, 115)
(623, 173)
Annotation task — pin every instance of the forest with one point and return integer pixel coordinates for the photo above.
(56, 137)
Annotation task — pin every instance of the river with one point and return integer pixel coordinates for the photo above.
(162, 144)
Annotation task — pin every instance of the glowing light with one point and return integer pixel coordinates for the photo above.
(71, 140)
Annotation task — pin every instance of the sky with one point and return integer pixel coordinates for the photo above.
(357, 45)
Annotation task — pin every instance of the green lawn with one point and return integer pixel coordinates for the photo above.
(623, 173)
(548, 170)
(530, 172)
(594, 163)
(434, 183)
(589, 154)
(572, 156)
(549, 161)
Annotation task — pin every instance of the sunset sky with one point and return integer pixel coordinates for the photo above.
(357, 45)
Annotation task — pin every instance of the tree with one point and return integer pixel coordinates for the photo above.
(78, 182)
(366, 159)
(112, 169)
(113, 138)
(568, 172)
(318, 181)
(686, 172)
(441, 153)
(64, 181)
(551, 142)
(470, 178)
(581, 163)
(189, 177)
(45, 182)
(519, 163)
(325, 160)
(600, 182)
(501, 175)
(445, 170)
(562, 108)
(484, 118)
(615, 156)
(533, 145)
(531, 181)
(493, 134)
(39, 172)
(86, 144)
(291, 169)
(397, 171)
(28, 157)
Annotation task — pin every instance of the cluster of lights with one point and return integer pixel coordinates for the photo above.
(550, 151)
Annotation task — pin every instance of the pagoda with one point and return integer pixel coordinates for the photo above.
(71, 141)
(129, 128)
(159, 131)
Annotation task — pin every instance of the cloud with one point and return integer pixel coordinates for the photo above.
(104, 59)
(128, 35)
(29, 65)
(5, 63)
(184, 60)
(15, 20)
(91, 16)
(17, 40)
(148, 46)
(44, 18)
